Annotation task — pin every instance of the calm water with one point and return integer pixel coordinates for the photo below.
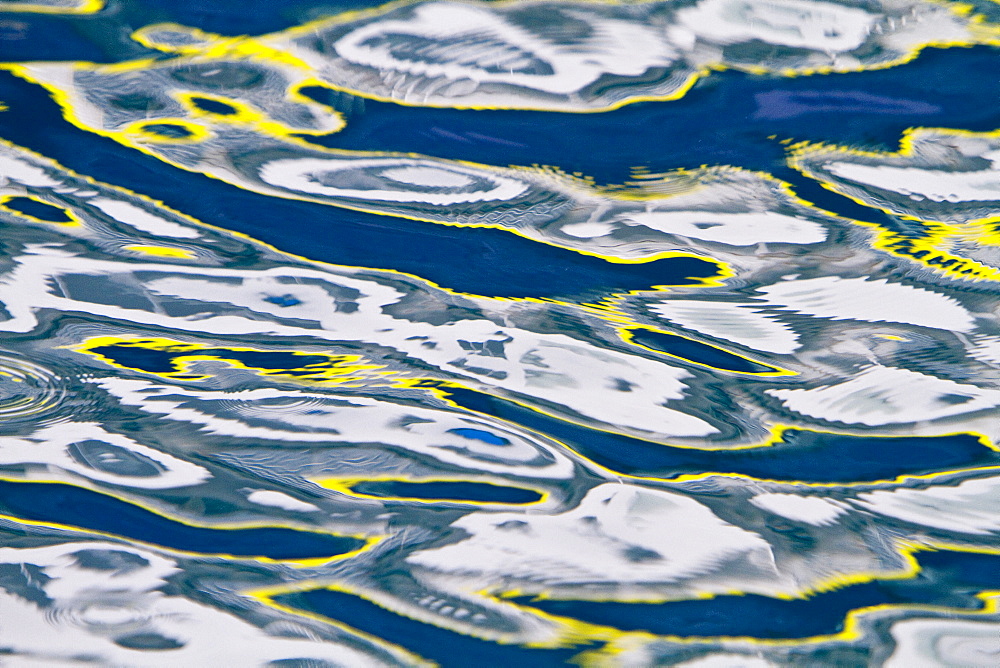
(521, 333)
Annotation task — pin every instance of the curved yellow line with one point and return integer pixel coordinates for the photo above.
(312, 562)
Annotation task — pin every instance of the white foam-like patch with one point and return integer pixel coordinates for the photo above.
(870, 300)
(302, 174)
(733, 229)
(885, 395)
(25, 173)
(618, 534)
(561, 370)
(568, 372)
(587, 230)
(92, 608)
(806, 24)
(937, 185)
(809, 509)
(972, 506)
(944, 643)
(51, 445)
(46, 6)
(739, 323)
(468, 441)
(725, 660)
(471, 54)
(987, 349)
(142, 220)
(486, 48)
(267, 497)
(429, 177)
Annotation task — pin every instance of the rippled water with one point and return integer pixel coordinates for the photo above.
(522, 333)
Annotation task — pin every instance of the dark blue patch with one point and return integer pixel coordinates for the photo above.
(284, 301)
(786, 104)
(711, 125)
(168, 130)
(749, 615)
(948, 579)
(697, 352)
(801, 455)
(36, 209)
(493, 262)
(479, 435)
(166, 361)
(447, 490)
(78, 507)
(719, 122)
(26, 37)
(104, 36)
(446, 648)
(213, 106)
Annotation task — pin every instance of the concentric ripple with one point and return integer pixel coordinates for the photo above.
(28, 391)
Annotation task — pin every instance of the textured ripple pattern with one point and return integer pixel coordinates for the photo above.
(751, 422)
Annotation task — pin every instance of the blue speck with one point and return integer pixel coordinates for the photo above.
(480, 435)
(283, 300)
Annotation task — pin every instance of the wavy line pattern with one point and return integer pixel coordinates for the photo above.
(779, 450)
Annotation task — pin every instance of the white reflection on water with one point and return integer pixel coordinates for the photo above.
(152, 358)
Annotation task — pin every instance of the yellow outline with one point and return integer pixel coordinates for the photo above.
(981, 32)
(905, 548)
(189, 353)
(439, 389)
(925, 250)
(246, 114)
(82, 7)
(626, 334)
(242, 111)
(208, 47)
(133, 137)
(139, 130)
(199, 37)
(725, 271)
(265, 596)
(851, 621)
(311, 562)
(851, 632)
(162, 251)
(345, 486)
(570, 632)
(845, 484)
(907, 141)
(607, 310)
(74, 220)
(249, 49)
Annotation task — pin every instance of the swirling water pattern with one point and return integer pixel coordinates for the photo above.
(500, 333)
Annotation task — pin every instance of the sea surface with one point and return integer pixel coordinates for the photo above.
(500, 333)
